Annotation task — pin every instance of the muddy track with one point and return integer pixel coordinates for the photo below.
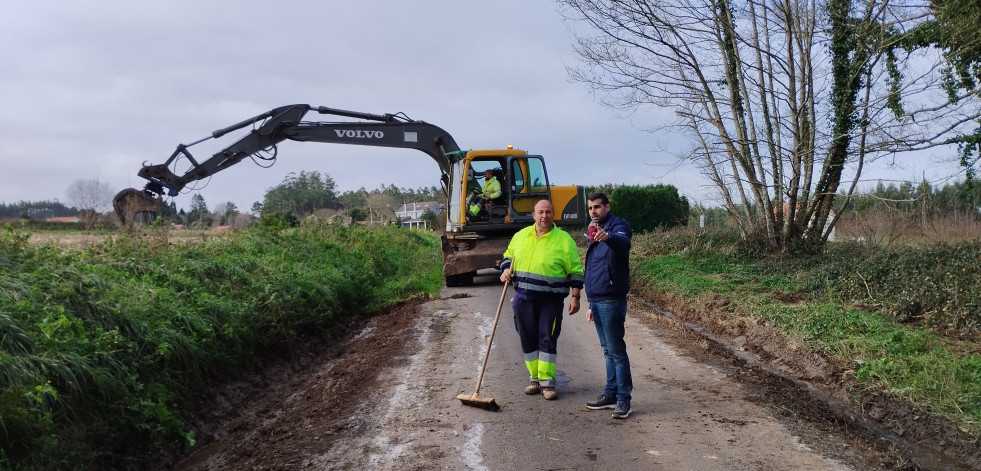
(305, 410)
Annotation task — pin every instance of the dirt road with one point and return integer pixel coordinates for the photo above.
(385, 399)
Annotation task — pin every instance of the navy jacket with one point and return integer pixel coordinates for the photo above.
(607, 263)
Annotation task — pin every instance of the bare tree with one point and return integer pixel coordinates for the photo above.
(783, 102)
(382, 207)
(241, 221)
(90, 197)
(225, 213)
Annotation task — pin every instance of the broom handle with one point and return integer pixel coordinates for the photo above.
(497, 316)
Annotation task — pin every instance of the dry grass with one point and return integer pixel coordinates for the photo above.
(80, 240)
(895, 229)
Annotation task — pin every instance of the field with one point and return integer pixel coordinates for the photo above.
(79, 240)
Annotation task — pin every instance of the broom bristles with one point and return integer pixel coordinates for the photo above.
(485, 403)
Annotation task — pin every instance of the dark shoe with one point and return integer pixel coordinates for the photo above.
(532, 389)
(549, 394)
(623, 410)
(602, 402)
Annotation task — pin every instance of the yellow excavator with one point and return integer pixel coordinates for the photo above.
(470, 242)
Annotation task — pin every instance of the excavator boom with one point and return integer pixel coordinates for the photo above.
(473, 239)
(277, 125)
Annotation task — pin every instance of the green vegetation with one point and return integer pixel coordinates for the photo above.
(102, 349)
(35, 210)
(646, 207)
(302, 194)
(895, 315)
(47, 226)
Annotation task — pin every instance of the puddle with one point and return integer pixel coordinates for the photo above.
(562, 379)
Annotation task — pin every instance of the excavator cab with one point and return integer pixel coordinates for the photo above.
(523, 183)
(529, 184)
(494, 210)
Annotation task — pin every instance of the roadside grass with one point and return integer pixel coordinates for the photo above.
(890, 357)
(102, 348)
(913, 360)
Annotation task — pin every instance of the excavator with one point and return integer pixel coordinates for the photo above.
(470, 242)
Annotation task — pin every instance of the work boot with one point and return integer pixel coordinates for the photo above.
(602, 402)
(549, 394)
(623, 410)
(532, 389)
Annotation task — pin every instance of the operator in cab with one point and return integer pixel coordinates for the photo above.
(490, 190)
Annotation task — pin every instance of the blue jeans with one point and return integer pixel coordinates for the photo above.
(608, 317)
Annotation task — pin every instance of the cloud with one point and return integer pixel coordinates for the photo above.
(94, 89)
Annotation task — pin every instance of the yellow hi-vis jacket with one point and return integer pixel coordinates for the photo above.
(547, 266)
(492, 188)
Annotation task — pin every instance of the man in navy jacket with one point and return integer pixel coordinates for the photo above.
(607, 283)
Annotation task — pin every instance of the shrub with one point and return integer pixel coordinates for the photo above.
(278, 220)
(938, 286)
(649, 207)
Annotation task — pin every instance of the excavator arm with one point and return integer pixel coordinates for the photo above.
(471, 241)
(279, 124)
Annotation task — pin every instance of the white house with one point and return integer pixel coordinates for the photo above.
(411, 213)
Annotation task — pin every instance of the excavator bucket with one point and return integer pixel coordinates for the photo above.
(130, 202)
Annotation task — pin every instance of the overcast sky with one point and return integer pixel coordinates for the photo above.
(92, 89)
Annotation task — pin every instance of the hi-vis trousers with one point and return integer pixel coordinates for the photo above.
(538, 324)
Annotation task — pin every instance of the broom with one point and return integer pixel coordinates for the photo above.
(486, 403)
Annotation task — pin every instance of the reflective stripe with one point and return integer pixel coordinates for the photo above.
(541, 283)
(541, 368)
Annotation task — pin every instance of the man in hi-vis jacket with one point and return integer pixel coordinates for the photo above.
(544, 264)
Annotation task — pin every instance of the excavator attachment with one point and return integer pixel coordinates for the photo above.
(130, 202)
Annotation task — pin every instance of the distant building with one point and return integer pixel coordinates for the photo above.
(411, 213)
